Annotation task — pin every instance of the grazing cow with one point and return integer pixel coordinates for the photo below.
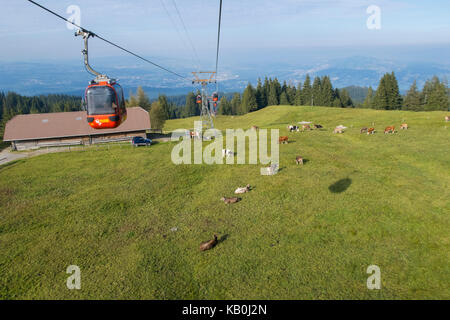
(207, 245)
(363, 130)
(230, 200)
(447, 118)
(283, 139)
(338, 130)
(270, 171)
(242, 189)
(306, 127)
(293, 128)
(389, 129)
(255, 128)
(227, 153)
(299, 160)
(317, 126)
(371, 131)
(194, 134)
(404, 126)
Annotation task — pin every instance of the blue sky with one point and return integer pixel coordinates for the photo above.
(250, 28)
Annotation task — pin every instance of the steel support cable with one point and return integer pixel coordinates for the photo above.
(187, 33)
(107, 41)
(218, 42)
(193, 56)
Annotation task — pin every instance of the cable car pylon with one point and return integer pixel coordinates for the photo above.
(208, 104)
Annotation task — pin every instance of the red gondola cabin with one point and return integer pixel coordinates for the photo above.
(105, 104)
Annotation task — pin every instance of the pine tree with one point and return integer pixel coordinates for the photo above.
(277, 87)
(291, 94)
(35, 110)
(2, 98)
(337, 103)
(272, 99)
(236, 103)
(142, 99)
(394, 97)
(284, 100)
(57, 107)
(316, 92)
(157, 116)
(413, 99)
(132, 101)
(435, 95)
(261, 98)
(298, 95)
(7, 114)
(165, 106)
(326, 92)
(249, 103)
(139, 100)
(344, 96)
(381, 98)
(191, 108)
(307, 92)
(225, 106)
(283, 88)
(368, 101)
(266, 89)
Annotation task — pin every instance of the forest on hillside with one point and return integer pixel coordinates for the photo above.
(318, 92)
(312, 92)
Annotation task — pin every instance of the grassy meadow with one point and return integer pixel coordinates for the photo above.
(309, 232)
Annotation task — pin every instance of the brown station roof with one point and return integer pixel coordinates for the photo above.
(68, 124)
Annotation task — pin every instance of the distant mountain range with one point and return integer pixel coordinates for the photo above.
(71, 78)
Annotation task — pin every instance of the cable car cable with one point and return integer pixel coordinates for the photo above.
(107, 41)
(218, 41)
(186, 31)
(195, 62)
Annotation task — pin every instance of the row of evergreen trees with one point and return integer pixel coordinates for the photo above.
(319, 93)
(434, 96)
(160, 109)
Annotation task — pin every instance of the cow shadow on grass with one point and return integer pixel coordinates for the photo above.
(281, 169)
(340, 185)
(223, 238)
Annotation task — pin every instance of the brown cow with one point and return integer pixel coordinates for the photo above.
(194, 134)
(208, 244)
(338, 130)
(390, 129)
(404, 126)
(283, 139)
(371, 131)
(299, 160)
(363, 130)
(306, 127)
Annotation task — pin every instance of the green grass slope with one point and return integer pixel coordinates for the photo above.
(309, 232)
